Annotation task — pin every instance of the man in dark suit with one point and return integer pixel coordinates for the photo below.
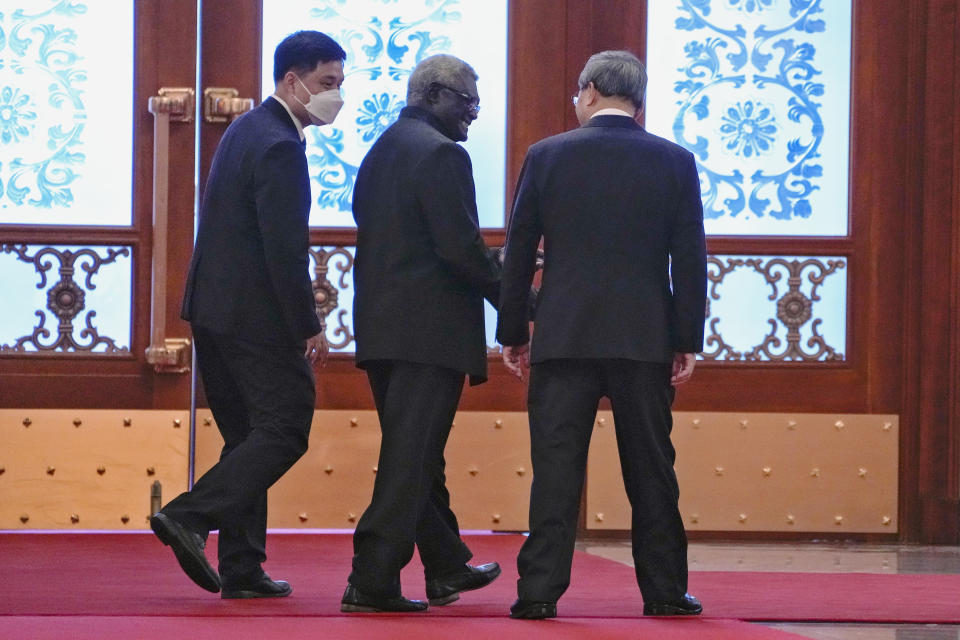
(620, 314)
(250, 304)
(421, 273)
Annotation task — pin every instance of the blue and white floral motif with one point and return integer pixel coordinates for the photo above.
(376, 114)
(750, 5)
(15, 114)
(42, 175)
(749, 85)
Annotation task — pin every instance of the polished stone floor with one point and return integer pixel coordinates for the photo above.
(823, 557)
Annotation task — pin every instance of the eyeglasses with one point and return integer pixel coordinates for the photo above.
(473, 104)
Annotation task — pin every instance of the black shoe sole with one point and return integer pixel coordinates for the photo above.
(196, 568)
(246, 595)
(670, 610)
(363, 608)
(537, 611)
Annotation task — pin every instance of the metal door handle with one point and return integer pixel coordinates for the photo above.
(167, 355)
(221, 104)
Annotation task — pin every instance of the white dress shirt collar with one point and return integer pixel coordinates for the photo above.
(611, 111)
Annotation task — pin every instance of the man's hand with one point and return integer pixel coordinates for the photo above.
(517, 359)
(683, 364)
(317, 349)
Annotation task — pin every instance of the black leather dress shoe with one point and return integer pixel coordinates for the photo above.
(446, 589)
(685, 606)
(527, 610)
(356, 601)
(264, 587)
(188, 547)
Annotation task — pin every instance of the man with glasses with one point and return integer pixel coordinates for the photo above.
(621, 220)
(421, 273)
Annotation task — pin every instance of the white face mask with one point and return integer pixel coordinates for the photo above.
(322, 107)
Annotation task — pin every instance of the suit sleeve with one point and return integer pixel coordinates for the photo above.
(519, 266)
(282, 192)
(446, 192)
(688, 270)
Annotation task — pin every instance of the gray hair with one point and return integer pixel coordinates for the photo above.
(442, 69)
(616, 73)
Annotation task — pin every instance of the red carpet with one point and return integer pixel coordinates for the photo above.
(135, 579)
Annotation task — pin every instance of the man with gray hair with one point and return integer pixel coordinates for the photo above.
(621, 219)
(421, 273)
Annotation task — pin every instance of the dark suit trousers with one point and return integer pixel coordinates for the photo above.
(410, 506)
(563, 400)
(262, 397)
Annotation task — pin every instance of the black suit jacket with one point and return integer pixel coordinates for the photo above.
(422, 268)
(619, 211)
(248, 277)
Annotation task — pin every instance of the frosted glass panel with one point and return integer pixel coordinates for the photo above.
(66, 86)
(65, 299)
(384, 40)
(759, 91)
(776, 308)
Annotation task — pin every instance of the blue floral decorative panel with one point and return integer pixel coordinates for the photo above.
(66, 112)
(759, 91)
(384, 40)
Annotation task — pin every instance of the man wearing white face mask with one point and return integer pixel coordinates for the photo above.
(250, 304)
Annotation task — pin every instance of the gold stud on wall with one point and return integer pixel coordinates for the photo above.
(176, 423)
(77, 422)
(498, 424)
(718, 470)
(598, 517)
(838, 520)
(862, 472)
(124, 518)
(354, 422)
(51, 471)
(791, 519)
(473, 471)
(601, 422)
(495, 518)
(303, 516)
(328, 470)
(24, 518)
(27, 422)
(838, 425)
(744, 423)
(75, 518)
(2, 470)
(815, 472)
(151, 471)
(207, 422)
(791, 425)
(886, 521)
(742, 517)
(101, 470)
(127, 422)
(694, 518)
(520, 471)
(696, 423)
(767, 471)
(351, 517)
(374, 470)
(887, 426)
